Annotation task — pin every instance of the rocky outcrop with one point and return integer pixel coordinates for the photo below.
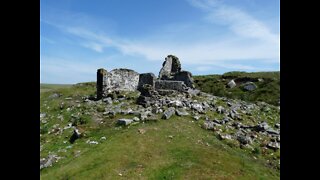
(231, 84)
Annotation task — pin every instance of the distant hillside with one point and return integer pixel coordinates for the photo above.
(48, 87)
(268, 86)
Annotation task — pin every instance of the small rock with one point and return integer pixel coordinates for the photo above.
(168, 113)
(226, 136)
(196, 118)
(176, 103)
(271, 131)
(103, 138)
(46, 162)
(141, 131)
(197, 107)
(76, 134)
(68, 126)
(42, 115)
(181, 112)
(136, 119)
(62, 105)
(209, 125)
(91, 142)
(220, 110)
(43, 121)
(273, 145)
(244, 139)
(262, 126)
(125, 121)
(77, 153)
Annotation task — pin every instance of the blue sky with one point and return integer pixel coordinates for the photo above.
(209, 36)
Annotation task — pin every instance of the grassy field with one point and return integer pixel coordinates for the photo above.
(50, 87)
(191, 153)
(177, 148)
(268, 86)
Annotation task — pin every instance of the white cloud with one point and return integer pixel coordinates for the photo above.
(193, 53)
(94, 46)
(242, 24)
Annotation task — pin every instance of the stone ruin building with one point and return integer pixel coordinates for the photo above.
(171, 80)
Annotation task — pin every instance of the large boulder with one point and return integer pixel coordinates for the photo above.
(249, 86)
(231, 84)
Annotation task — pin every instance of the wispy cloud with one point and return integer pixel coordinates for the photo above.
(191, 53)
(238, 21)
(248, 39)
(94, 46)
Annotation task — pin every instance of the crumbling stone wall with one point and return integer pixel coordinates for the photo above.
(171, 71)
(146, 78)
(101, 82)
(172, 85)
(170, 67)
(117, 79)
(186, 77)
(170, 78)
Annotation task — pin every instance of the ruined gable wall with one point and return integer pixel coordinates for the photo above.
(117, 79)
